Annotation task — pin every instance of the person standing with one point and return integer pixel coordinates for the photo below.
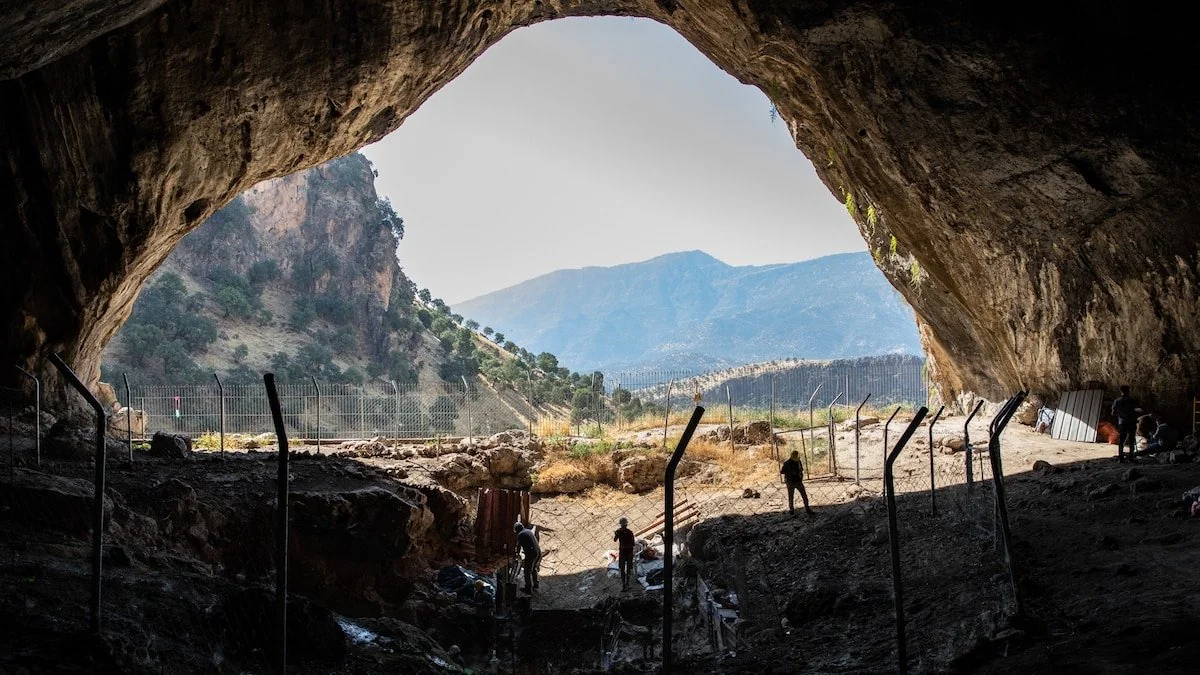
(1124, 409)
(793, 474)
(527, 544)
(625, 541)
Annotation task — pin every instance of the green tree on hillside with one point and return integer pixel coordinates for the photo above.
(425, 295)
(233, 303)
(472, 324)
(498, 337)
(488, 330)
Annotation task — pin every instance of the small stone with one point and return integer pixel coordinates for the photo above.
(1124, 570)
(1103, 491)
(1109, 543)
(1131, 474)
(1042, 467)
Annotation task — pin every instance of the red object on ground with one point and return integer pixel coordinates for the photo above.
(1106, 432)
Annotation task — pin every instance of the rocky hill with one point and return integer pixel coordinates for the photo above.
(690, 310)
(300, 276)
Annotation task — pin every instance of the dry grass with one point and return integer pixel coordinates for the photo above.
(741, 465)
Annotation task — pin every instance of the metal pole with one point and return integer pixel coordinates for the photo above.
(729, 400)
(774, 441)
(532, 407)
(470, 432)
(997, 428)
(98, 496)
(669, 533)
(128, 414)
(281, 526)
(857, 434)
(221, 396)
(667, 414)
(37, 409)
(362, 410)
(314, 381)
(967, 448)
(829, 430)
(894, 539)
(810, 419)
(598, 405)
(932, 481)
(885, 435)
(396, 398)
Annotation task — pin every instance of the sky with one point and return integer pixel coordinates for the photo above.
(597, 141)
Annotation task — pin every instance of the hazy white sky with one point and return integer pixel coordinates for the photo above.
(597, 142)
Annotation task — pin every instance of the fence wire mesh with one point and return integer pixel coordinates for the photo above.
(795, 394)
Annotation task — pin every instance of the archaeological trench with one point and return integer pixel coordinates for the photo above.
(1024, 173)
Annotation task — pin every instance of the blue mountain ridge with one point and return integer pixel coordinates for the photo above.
(690, 310)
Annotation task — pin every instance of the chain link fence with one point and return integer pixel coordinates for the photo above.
(793, 394)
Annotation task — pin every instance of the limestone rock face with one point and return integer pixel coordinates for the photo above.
(1023, 172)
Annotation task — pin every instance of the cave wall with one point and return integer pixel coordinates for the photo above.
(1023, 173)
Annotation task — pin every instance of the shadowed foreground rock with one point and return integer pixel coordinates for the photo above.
(1023, 172)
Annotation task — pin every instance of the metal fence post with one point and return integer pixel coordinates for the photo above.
(811, 441)
(932, 481)
(967, 448)
(362, 410)
(829, 430)
(774, 440)
(667, 414)
(128, 414)
(467, 397)
(857, 439)
(997, 427)
(221, 399)
(37, 410)
(885, 437)
(669, 534)
(98, 495)
(314, 381)
(281, 526)
(396, 398)
(894, 538)
(729, 400)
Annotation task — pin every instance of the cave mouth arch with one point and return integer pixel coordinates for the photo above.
(1013, 152)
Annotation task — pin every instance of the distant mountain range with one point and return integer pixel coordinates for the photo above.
(691, 311)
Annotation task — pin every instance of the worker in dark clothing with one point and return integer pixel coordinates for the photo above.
(1164, 439)
(527, 543)
(625, 541)
(1124, 409)
(793, 474)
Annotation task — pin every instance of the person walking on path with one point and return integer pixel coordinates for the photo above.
(625, 541)
(1125, 409)
(527, 543)
(793, 474)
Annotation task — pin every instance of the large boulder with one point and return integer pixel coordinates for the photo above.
(170, 446)
(1027, 412)
(461, 472)
(360, 551)
(757, 432)
(50, 502)
(66, 440)
(642, 472)
(121, 421)
(562, 479)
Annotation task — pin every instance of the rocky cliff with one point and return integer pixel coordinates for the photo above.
(302, 266)
(1034, 164)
